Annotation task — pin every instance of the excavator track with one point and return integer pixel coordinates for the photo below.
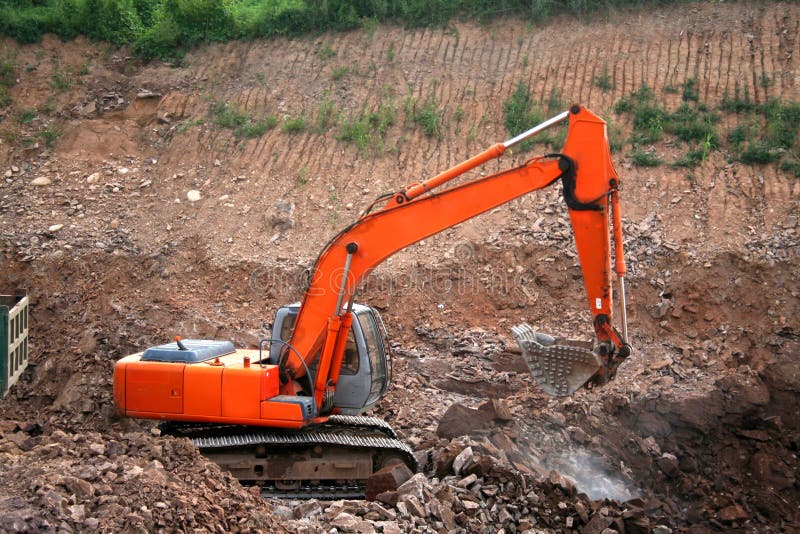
(328, 461)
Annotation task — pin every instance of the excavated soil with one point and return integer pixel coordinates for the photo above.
(699, 433)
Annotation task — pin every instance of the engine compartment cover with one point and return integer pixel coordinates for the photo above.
(197, 350)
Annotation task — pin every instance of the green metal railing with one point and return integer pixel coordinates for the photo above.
(13, 338)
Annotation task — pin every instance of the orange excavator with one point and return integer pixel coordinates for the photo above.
(286, 416)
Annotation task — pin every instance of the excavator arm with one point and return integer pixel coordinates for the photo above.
(590, 186)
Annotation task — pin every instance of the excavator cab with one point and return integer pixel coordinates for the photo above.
(366, 366)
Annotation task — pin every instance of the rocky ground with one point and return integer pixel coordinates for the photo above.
(144, 220)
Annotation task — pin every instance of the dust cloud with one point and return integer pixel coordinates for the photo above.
(590, 476)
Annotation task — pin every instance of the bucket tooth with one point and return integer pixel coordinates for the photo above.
(559, 366)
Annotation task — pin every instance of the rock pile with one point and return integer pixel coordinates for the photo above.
(469, 490)
(115, 482)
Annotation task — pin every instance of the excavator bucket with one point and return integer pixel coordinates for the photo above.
(560, 366)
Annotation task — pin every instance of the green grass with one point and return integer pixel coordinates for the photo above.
(782, 123)
(339, 72)
(690, 91)
(603, 81)
(326, 115)
(427, 115)
(762, 133)
(26, 116)
(740, 102)
(295, 125)
(768, 133)
(458, 114)
(792, 167)
(521, 113)
(691, 158)
(62, 79)
(49, 135)
(326, 52)
(645, 159)
(692, 123)
(227, 116)
(164, 29)
(616, 137)
(740, 134)
(367, 130)
(693, 126)
(256, 128)
(7, 77)
(759, 152)
(242, 124)
(302, 177)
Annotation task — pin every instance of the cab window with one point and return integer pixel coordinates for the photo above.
(377, 357)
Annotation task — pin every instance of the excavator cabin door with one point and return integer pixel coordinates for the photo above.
(365, 373)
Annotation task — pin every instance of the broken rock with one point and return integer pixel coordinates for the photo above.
(460, 420)
(389, 478)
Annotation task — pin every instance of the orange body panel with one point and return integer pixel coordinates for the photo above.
(241, 392)
(270, 383)
(204, 392)
(119, 388)
(281, 411)
(154, 387)
(202, 389)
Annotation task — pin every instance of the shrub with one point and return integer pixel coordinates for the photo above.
(759, 152)
(200, 20)
(739, 103)
(255, 128)
(242, 124)
(339, 72)
(160, 41)
(326, 115)
(294, 125)
(227, 116)
(603, 81)
(520, 114)
(792, 167)
(26, 116)
(114, 21)
(690, 91)
(782, 123)
(430, 118)
(645, 159)
(368, 130)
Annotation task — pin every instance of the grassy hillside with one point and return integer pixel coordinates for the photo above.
(160, 28)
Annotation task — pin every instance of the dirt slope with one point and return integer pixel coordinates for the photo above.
(714, 261)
